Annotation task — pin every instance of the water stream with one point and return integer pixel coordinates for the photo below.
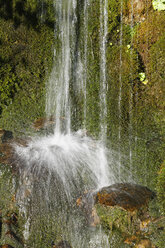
(58, 168)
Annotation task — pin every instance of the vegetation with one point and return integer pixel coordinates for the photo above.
(25, 61)
(160, 187)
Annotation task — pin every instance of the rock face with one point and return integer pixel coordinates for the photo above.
(125, 195)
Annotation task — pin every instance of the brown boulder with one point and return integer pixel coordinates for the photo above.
(125, 195)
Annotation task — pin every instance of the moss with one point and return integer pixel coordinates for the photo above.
(9, 208)
(148, 33)
(160, 188)
(113, 218)
(25, 62)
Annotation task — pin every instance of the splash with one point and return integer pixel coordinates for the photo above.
(57, 168)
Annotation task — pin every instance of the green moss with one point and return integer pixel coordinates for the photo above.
(160, 188)
(114, 218)
(26, 59)
(148, 33)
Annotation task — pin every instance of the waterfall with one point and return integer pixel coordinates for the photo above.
(120, 84)
(103, 74)
(86, 4)
(63, 165)
(131, 100)
(58, 95)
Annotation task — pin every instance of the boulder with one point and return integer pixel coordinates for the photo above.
(128, 196)
(121, 209)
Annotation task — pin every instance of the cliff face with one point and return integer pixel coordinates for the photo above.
(135, 75)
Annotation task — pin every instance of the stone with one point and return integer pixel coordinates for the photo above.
(5, 135)
(128, 196)
(42, 122)
(6, 152)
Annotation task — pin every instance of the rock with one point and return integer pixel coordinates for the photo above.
(11, 219)
(62, 244)
(121, 209)
(6, 152)
(5, 135)
(128, 196)
(86, 203)
(42, 122)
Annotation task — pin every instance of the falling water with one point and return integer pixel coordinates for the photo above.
(86, 4)
(63, 165)
(58, 97)
(131, 100)
(103, 77)
(120, 85)
(83, 62)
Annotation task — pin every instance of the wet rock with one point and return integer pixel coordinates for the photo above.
(11, 219)
(128, 196)
(5, 136)
(121, 209)
(86, 203)
(6, 152)
(42, 123)
(125, 195)
(62, 244)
